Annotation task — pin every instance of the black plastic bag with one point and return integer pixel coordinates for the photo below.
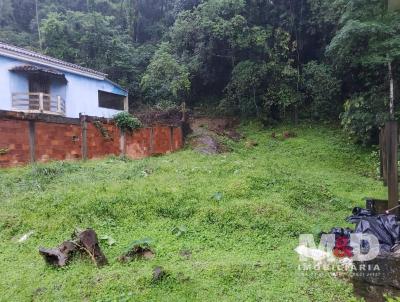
(384, 227)
(359, 213)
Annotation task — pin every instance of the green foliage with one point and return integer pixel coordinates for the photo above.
(217, 196)
(179, 231)
(4, 151)
(362, 117)
(245, 90)
(127, 122)
(89, 39)
(165, 105)
(265, 88)
(368, 38)
(380, 35)
(250, 57)
(323, 90)
(142, 243)
(237, 249)
(103, 130)
(165, 79)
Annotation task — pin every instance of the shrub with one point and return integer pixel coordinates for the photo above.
(363, 115)
(165, 105)
(127, 122)
(323, 90)
(166, 79)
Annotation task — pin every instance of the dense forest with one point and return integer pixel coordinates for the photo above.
(274, 60)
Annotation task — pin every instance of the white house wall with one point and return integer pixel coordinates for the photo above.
(58, 88)
(80, 93)
(82, 96)
(5, 82)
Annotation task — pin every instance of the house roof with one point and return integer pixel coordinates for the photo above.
(32, 69)
(34, 57)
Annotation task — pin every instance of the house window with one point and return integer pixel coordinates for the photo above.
(111, 101)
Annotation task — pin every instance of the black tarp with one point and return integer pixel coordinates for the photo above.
(384, 227)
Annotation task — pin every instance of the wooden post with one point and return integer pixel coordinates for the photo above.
(393, 5)
(184, 112)
(84, 137)
(32, 141)
(41, 102)
(126, 104)
(380, 154)
(391, 131)
(296, 114)
(383, 155)
(391, 92)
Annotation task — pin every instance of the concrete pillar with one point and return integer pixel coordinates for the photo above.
(32, 142)
(84, 136)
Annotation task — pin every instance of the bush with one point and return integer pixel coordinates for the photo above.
(323, 91)
(165, 105)
(363, 115)
(166, 79)
(127, 122)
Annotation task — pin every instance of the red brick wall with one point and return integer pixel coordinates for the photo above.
(58, 138)
(152, 141)
(177, 139)
(99, 146)
(162, 142)
(14, 139)
(138, 143)
(57, 141)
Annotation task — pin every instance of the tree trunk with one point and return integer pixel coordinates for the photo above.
(255, 103)
(38, 24)
(391, 94)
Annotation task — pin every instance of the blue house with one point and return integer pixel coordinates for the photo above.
(32, 82)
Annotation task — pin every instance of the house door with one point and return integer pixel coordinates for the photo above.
(39, 84)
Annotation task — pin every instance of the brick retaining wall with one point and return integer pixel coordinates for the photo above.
(14, 145)
(27, 138)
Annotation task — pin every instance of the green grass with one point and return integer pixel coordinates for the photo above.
(241, 241)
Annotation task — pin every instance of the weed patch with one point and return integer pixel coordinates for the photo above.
(223, 227)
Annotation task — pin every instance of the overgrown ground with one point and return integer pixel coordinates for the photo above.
(241, 241)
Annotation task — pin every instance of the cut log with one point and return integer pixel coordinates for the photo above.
(85, 242)
(89, 242)
(59, 256)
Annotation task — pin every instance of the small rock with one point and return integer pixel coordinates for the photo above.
(159, 273)
(140, 249)
(25, 236)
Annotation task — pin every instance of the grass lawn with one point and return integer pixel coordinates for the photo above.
(241, 241)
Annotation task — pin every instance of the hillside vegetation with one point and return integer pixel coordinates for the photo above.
(318, 59)
(239, 216)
